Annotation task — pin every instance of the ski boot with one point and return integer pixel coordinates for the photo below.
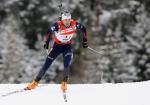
(64, 84)
(32, 85)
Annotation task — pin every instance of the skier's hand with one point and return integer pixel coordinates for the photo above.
(84, 44)
(45, 46)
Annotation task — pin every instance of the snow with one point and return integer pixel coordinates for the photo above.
(136, 93)
(105, 17)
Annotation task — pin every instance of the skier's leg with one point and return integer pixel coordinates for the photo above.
(50, 58)
(67, 54)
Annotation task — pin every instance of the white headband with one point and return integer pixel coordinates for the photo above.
(67, 16)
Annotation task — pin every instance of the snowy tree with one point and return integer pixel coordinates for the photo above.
(12, 50)
(20, 64)
(122, 61)
(119, 29)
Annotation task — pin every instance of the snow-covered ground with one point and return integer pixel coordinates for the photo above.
(79, 94)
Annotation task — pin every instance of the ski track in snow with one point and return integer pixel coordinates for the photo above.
(79, 94)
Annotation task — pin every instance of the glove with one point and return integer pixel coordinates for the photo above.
(46, 45)
(84, 44)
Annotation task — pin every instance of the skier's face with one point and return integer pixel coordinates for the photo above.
(66, 22)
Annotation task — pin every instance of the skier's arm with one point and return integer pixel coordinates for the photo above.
(84, 32)
(49, 32)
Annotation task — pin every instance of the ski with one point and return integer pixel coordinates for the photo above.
(19, 91)
(13, 92)
(65, 96)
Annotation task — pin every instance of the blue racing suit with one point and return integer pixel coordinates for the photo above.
(59, 48)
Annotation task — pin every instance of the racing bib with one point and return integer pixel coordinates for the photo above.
(63, 38)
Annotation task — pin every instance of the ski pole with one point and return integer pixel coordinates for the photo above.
(101, 75)
(98, 52)
(47, 52)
